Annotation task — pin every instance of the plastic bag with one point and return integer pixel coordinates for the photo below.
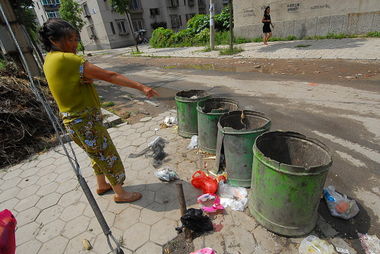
(370, 243)
(216, 206)
(166, 174)
(314, 245)
(234, 197)
(156, 147)
(206, 183)
(194, 220)
(204, 251)
(7, 232)
(339, 205)
(169, 121)
(193, 143)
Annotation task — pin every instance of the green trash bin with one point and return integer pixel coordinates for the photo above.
(289, 172)
(209, 112)
(186, 102)
(237, 133)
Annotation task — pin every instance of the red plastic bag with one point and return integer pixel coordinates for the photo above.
(204, 182)
(7, 232)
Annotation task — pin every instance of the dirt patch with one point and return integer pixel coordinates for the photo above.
(178, 245)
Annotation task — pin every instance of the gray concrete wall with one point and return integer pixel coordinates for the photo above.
(307, 17)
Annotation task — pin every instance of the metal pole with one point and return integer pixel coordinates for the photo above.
(182, 206)
(231, 26)
(212, 25)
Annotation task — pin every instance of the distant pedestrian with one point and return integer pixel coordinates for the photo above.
(267, 24)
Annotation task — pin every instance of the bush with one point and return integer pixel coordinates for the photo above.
(222, 20)
(222, 38)
(373, 34)
(182, 37)
(161, 38)
(197, 23)
(202, 37)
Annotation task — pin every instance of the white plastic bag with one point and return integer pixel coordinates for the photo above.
(370, 243)
(339, 205)
(166, 174)
(193, 143)
(169, 121)
(234, 197)
(314, 245)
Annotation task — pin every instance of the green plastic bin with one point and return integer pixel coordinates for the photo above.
(186, 102)
(289, 172)
(238, 135)
(209, 112)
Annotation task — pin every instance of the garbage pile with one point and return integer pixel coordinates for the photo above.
(25, 128)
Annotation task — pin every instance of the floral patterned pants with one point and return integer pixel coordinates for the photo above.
(88, 132)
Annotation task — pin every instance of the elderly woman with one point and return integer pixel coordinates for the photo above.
(70, 81)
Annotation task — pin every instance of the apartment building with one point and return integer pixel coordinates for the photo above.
(107, 29)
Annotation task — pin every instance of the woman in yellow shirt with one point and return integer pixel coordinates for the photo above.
(70, 81)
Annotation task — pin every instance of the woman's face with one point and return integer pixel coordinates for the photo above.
(68, 43)
(268, 10)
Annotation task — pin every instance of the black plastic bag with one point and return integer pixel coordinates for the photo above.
(196, 221)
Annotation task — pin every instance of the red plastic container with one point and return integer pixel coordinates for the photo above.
(204, 182)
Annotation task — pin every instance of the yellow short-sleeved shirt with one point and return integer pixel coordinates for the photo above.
(63, 72)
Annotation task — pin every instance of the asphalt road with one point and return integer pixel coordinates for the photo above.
(344, 116)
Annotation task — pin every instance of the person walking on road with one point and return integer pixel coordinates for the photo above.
(70, 79)
(267, 32)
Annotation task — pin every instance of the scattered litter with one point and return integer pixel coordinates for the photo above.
(314, 245)
(258, 66)
(157, 148)
(207, 184)
(7, 232)
(166, 174)
(194, 97)
(193, 143)
(234, 197)
(169, 121)
(204, 251)
(370, 243)
(205, 199)
(86, 244)
(194, 220)
(342, 251)
(152, 103)
(339, 205)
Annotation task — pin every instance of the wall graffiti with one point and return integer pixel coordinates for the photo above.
(293, 7)
(316, 7)
(248, 13)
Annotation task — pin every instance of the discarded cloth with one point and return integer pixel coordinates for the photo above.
(234, 197)
(204, 251)
(216, 206)
(194, 220)
(339, 205)
(313, 245)
(166, 174)
(7, 232)
(370, 243)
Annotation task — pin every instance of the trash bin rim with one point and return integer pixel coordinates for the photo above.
(232, 131)
(199, 109)
(292, 169)
(186, 99)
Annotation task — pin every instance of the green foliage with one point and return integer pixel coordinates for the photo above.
(182, 36)
(2, 64)
(71, 11)
(136, 53)
(373, 34)
(80, 47)
(108, 104)
(240, 40)
(161, 38)
(203, 37)
(228, 51)
(120, 6)
(291, 38)
(222, 20)
(302, 45)
(197, 23)
(26, 16)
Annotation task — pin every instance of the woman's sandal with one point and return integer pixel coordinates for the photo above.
(101, 192)
(134, 197)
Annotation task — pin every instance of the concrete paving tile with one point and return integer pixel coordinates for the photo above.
(9, 193)
(46, 170)
(8, 184)
(75, 244)
(11, 174)
(44, 162)
(233, 236)
(149, 216)
(50, 231)
(47, 189)
(146, 200)
(50, 214)
(149, 248)
(127, 218)
(138, 141)
(27, 172)
(27, 216)
(54, 246)
(136, 236)
(94, 225)
(30, 247)
(75, 227)
(73, 211)
(67, 186)
(27, 203)
(28, 191)
(66, 175)
(9, 204)
(70, 198)
(267, 241)
(26, 233)
(101, 246)
(48, 200)
(166, 194)
(28, 181)
(47, 179)
(163, 231)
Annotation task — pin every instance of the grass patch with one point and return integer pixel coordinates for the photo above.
(228, 51)
(2, 64)
(373, 34)
(108, 104)
(137, 53)
(302, 46)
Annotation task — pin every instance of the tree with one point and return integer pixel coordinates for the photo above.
(25, 15)
(231, 26)
(122, 7)
(72, 12)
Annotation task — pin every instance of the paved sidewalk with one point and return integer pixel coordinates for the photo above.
(54, 216)
(352, 49)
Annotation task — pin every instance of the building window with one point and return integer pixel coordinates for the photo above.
(189, 16)
(184, 2)
(191, 3)
(52, 14)
(138, 24)
(154, 12)
(91, 32)
(112, 28)
(86, 11)
(50, 2)
(121, 26)
(176, 21)
(172, 3)
(135, 5)
(158, 24)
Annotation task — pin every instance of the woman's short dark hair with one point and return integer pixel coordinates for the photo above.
(55, 29)
(266, 8)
